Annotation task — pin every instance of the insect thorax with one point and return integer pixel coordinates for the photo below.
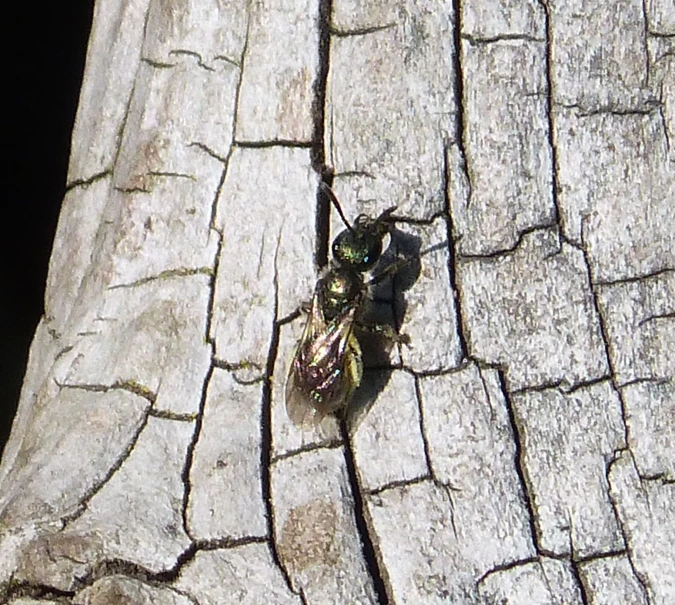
(339, 290)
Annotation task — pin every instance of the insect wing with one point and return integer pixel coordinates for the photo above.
(317, 383)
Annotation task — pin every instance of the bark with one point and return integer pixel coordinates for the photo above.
(521, 450)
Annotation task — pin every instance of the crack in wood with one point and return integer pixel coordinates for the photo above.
(519, 462)
(643, 582)
(550, 116)
(605, 341)
(636, 278)
(577, 575)
(30, 590)
(403, 483)
(190, 53)
(505, 567)
(425, 439)
(157, 64)
(650, 107)
(364, 31)
(318, 153)
(266, 431)
(122, 458)
(376, 569)
(331, 444)
(210, 152)
(189, 454)
(86, 182)
(318, 156)
(504, 252)
(460, 120)
(168, 415)
(485, 40)
(561, 386)
(168, 274)
(452, 256)
(274, 143)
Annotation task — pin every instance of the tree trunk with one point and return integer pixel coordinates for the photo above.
(520, 450)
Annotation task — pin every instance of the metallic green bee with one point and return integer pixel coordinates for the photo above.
(327, 366)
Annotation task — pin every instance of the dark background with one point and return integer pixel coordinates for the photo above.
(42, 75)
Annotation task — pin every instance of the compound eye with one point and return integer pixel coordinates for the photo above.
(357, 250)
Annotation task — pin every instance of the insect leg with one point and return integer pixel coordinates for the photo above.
(390, 270)
(386, 331)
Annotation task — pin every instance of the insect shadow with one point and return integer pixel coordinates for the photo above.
(384, 311)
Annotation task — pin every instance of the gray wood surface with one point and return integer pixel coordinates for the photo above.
(520, 450)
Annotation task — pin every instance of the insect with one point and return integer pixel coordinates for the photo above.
(327, 365)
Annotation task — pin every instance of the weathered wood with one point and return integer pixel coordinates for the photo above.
(519, 449)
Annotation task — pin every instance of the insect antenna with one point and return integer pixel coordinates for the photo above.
(331, 196)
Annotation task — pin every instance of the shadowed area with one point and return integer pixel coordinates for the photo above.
(45, 74)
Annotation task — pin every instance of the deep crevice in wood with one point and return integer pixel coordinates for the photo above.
(460, 121)
(322, 224)
(318, 153)
(39, 592)
(452, 257)
(519, 462)
(550, 114)
(274, 143)
(645, 43)
(129, 569)
(376, 569)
